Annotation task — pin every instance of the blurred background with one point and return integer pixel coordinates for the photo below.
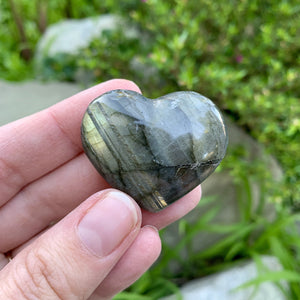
(244, 55)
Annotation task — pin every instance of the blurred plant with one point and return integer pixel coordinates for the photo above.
(22, 23)
(248, 238)
(101, 59)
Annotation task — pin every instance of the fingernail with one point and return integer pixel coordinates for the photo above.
(151, 227)
(107, 223)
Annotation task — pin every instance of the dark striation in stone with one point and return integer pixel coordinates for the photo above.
(155, 150)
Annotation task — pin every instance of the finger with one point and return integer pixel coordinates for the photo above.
(56, 194)
(159, 220)
(38, 144)
(3, 261)
(17, 250)
(142, 253)
(137, 260)
(173, 212)
(47, 200)
(72, 258)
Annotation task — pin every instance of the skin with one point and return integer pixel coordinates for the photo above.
(46, 179)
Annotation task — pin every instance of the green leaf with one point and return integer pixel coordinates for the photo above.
(131, 296)
(282, 253)
(219, 247)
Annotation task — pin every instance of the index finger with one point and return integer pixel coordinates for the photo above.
(36, 145)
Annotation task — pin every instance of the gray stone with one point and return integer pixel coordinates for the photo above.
(223, 285)
(156, 150)
(21, 99)
(238, 137)
(70, 36)
(67, 38)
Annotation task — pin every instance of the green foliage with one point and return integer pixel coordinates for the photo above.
(100, 60)
(241, 240)
(22, 23)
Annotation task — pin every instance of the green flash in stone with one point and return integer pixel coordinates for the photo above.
(155, 150)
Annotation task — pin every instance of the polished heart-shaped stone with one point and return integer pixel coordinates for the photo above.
(156, 150)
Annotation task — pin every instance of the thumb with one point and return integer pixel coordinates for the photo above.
(72, 258)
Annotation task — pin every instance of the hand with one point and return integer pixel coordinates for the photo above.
(98, 246)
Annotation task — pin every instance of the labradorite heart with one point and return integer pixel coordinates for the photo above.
(155, 150)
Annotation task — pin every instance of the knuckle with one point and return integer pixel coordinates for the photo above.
(10, 175)
(36, 279)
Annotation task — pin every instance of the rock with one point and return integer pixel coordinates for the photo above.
(154, 150)
(62, 44)
(21, 99)
(238, 137)
(70, 36)
(221, 286)
(59, 48)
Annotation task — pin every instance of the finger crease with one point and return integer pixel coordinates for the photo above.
(46, 278)
(61, 129)
(11, 176)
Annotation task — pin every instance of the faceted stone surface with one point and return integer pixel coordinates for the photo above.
(155, 150)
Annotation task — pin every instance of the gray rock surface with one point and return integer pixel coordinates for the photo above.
(222, 286)
(154, 161)
(18, 100)
(69, 36)
(63, 42)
